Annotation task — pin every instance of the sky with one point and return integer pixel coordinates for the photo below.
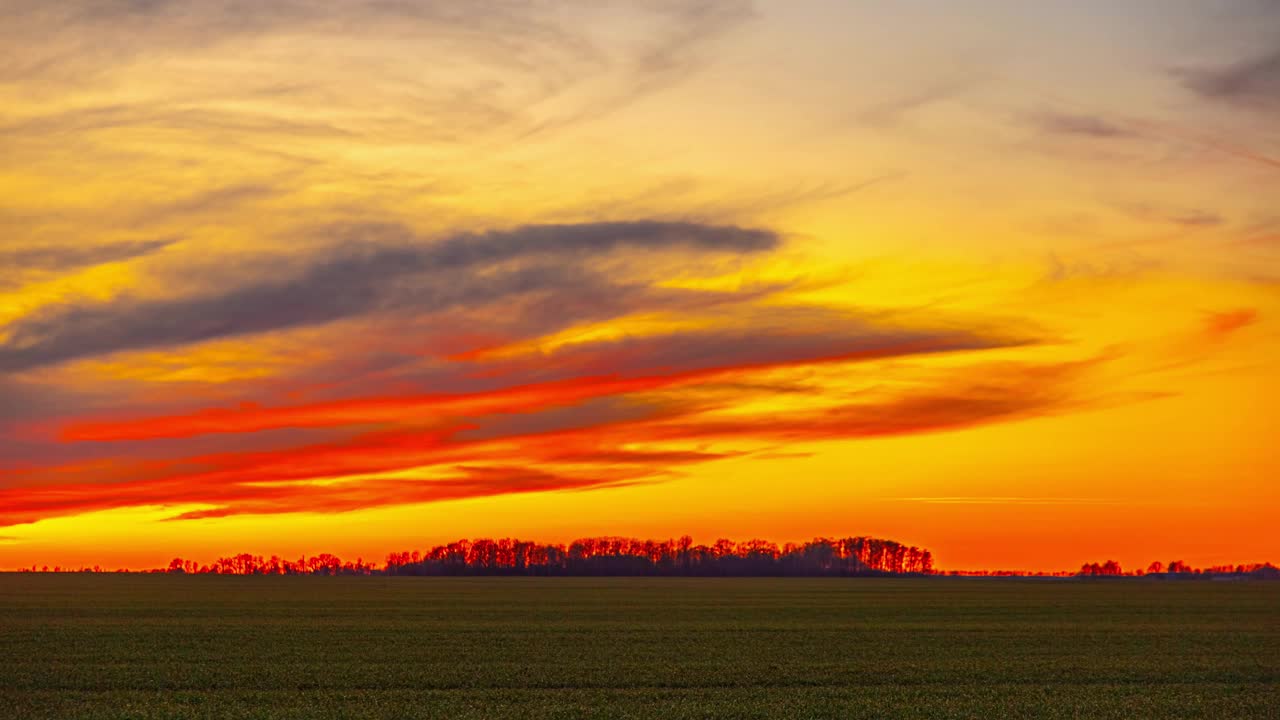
(998, 279)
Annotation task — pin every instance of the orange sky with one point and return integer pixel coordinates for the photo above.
(365, 277)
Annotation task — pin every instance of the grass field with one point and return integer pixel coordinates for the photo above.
(132, 646)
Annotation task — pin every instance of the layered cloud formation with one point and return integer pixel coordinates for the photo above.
(460, 387)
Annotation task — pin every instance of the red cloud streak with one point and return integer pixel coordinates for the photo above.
(428, 408)
(601, 452)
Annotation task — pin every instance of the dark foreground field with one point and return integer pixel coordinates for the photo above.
(110, 646)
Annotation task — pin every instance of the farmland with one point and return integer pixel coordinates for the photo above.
(164, 646)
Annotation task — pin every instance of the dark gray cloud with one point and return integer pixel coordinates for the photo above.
(596, 238)
(54, 258)
(379, 267)
(1254, 81)
(1078, 124)
(1197, 219)
(35, 401)
(594, 412)
(779, 337)
(330, 291)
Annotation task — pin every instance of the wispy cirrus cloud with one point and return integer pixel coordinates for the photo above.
(125, 29)
(18, 262)
(1093, 126)
(1251, 82)
(561, 64)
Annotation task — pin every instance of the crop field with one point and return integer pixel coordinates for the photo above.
(158, 646)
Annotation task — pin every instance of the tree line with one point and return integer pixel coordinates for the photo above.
(602, 556)
(1178, 568)
(820, 557)
(629, 556)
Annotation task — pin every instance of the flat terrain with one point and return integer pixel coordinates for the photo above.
(115, 646)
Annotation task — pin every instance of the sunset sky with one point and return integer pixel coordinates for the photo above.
(999, 279)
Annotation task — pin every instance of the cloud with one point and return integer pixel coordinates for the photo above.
(673, 51)
(216, 200)
(250, 418)
(81, 34)
(975, 397)
(691, 22)
(469, 482)
(1078, 124)
(371, 268)
(765, 339)
(57, 258)
(578, 374)
(1190, 218)
(561, 64)
(1219, 325)
(1251, 82)
(891, 112)
(1010, 500)
(622, 438)
(1197, 219)
(78, 122)
(463, 481)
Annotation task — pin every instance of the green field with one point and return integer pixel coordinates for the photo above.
(135, 646)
